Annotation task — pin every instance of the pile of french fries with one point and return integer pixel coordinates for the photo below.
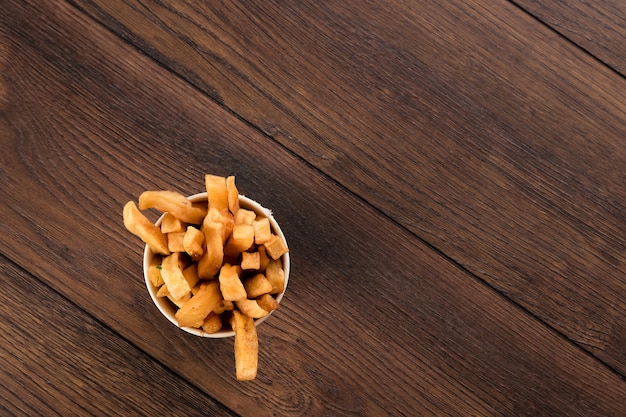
(218, 263)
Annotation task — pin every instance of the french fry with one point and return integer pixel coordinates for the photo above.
(191, 275)
(240, 240)
(217, 193)
(276, 275)
(172, 202)
(262, 230)
(246, 346)
(250, 261)
(170, 224)
(267, 302)
(139, 225)
(251, 308)
(193, 241)
(244, 216)
(257, 285)
(164, 292)
(275, 247)
(154, 271)
(212, 323)
(173, 277)
(230, 285)
(233, 194)
(223, 305)
(213, 256)
(175, 241)
(193, 313)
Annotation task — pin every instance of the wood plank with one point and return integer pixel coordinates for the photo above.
(375, 322)
(471, 124)
(57, 360)
(598, 27)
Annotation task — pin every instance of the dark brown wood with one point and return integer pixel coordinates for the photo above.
(597, 26)
(57, 360)
(376, 321)
(473, 125)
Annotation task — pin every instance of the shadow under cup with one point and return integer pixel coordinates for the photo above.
(168, 309)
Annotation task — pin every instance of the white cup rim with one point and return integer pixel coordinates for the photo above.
(166, 307)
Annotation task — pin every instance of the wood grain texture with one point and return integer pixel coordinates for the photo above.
(599, 27)
(470, 124)
(57, 360)
(374, 322)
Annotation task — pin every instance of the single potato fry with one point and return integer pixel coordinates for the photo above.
(223, 305)
(173, 277)
(175, 241)
(257, 285)
(174, 203)
(240, 240)
(230, 284)
(193, 240)
(250, 261)
(195, 311)
(139, 225)
(246, 346)
(216, 191)
(245, 216)
(233, 194)
(276, 275)
(251, 308)
(267, 302)
(154, 271)
(170, 224)
(211, 260)
(262, 230)
(191, 275)
(212, 323)
(275, 247)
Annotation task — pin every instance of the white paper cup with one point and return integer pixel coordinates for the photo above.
(168, 309)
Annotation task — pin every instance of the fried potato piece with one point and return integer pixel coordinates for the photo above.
(217, 192)
(154, 271)
(170, 224)
(251, 308)
(230, 285)
(212, 323)
(175, 241)
(233, 194)
(139, 225)
(246, 346)
(171, 271)
(257, 285)
(262, 230)
(240, 240)
(211, 260)
(245, 216)
(276, 275)
(191, 275)
(275, 247)
(174, 203)
(193, 240)
(267, 302)
(250, 260)
(223, 305)
(164, 292)
(263, 258)
(195, 311)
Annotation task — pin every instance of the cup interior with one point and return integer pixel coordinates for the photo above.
(168, 309)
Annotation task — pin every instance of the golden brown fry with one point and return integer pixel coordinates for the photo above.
(191, 275)
(264, 259)
(275, 274)
(250, 261)
(223, 305)
(230, 285)
(139, 225)
(212, 323)
(193, 313)
(217, 193)
(175, 241)
(174, 203)
(213, 256)
(170, 224)
(244, 216)
(246, 346)
(233, 194)
(262, 230)
(276, 247)
(267, 302)
(193, 240)
(173, 277)
(240, 240)
(257, 285)
(251, 308)
(154, 271)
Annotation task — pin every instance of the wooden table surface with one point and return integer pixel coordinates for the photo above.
(450, 177)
